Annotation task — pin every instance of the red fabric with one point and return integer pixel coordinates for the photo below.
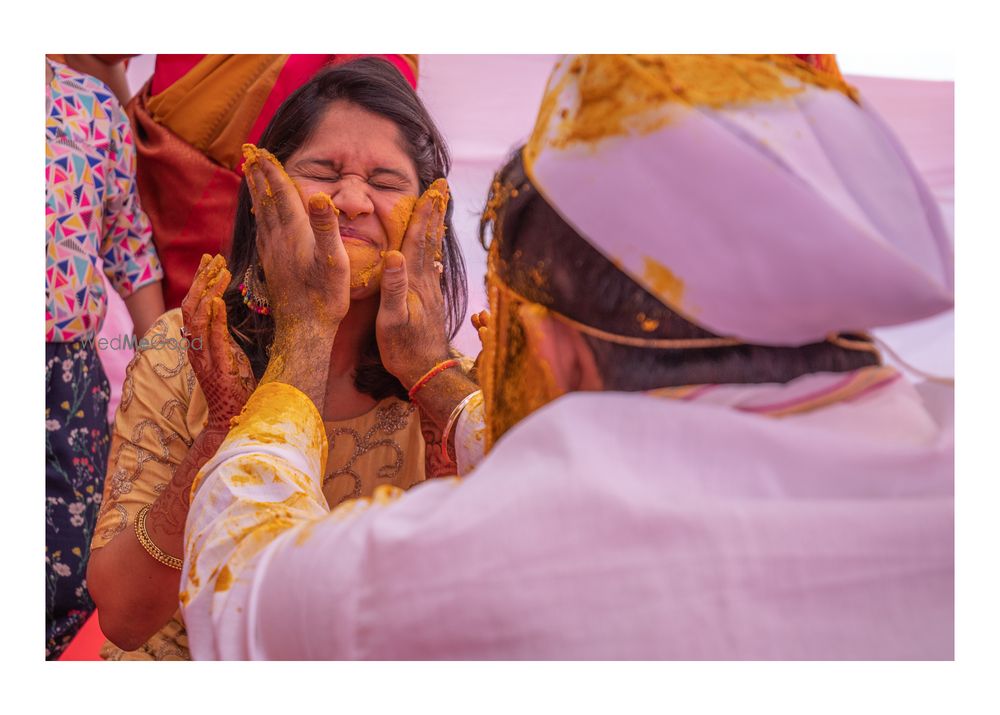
(297, 71)
(396, 61)
(190, 200)
(404, 68)
(170, 68)
(87, 643)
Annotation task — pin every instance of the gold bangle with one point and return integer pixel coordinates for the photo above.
(152, 549)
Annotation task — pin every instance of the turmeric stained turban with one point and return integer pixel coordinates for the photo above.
(757, 195)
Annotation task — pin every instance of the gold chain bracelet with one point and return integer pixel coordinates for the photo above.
(152, 549)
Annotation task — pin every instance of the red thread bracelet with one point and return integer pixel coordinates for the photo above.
(436, 370)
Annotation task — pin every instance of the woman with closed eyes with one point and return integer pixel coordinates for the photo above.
(368, 165)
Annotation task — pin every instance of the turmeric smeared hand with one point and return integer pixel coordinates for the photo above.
(481, 324)
(410, 327)
(306, 268)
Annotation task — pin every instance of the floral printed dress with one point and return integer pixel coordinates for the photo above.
(76, 456)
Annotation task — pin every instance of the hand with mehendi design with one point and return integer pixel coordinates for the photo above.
(436, 463)
(221, 366)
(137, 594)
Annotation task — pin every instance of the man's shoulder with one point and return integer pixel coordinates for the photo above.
(600, 441)
(582, 433)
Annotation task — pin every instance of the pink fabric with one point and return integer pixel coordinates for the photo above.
(592, 531)
(922, 115)
(117, 323)
(296, 72)
(773, 221)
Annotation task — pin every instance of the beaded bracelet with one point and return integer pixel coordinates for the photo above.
(436, 370)
(147, 543)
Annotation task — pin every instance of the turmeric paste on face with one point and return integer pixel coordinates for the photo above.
(399, 219)
(617, 92)
(361, 277)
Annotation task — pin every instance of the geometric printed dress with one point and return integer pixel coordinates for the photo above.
(93, 226)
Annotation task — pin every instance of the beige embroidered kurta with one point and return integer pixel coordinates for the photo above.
(162, 411)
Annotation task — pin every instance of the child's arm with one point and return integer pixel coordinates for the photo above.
(130, 259)
(145, 306)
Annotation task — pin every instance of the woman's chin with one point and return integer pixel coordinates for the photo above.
(366, 268)
(365, 281)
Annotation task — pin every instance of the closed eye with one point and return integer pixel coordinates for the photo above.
(317, 177)
(380, 178)
(386, 186)
(328, 179)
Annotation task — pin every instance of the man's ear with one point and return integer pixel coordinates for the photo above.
(561, 351)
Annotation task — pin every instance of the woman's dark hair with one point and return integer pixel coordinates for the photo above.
(542, 258)
(376, 86)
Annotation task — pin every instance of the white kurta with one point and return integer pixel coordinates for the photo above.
(604, 526)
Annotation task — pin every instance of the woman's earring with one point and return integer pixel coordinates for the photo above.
(253, 292)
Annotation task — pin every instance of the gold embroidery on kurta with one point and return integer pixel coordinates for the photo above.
(389, 419)
(128, 386)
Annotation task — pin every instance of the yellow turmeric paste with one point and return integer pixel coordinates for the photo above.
(399, 219)
(662, 281)
(319, 201)
(225, 580)
(647, 324)
(616, 92)
(246, 480)
(361, 277)
(514, 383)
(252, 155)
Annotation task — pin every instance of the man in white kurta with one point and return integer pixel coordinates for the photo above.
(591, 531)
(807, 519)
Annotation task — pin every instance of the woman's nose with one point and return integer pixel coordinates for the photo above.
(352, 197)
